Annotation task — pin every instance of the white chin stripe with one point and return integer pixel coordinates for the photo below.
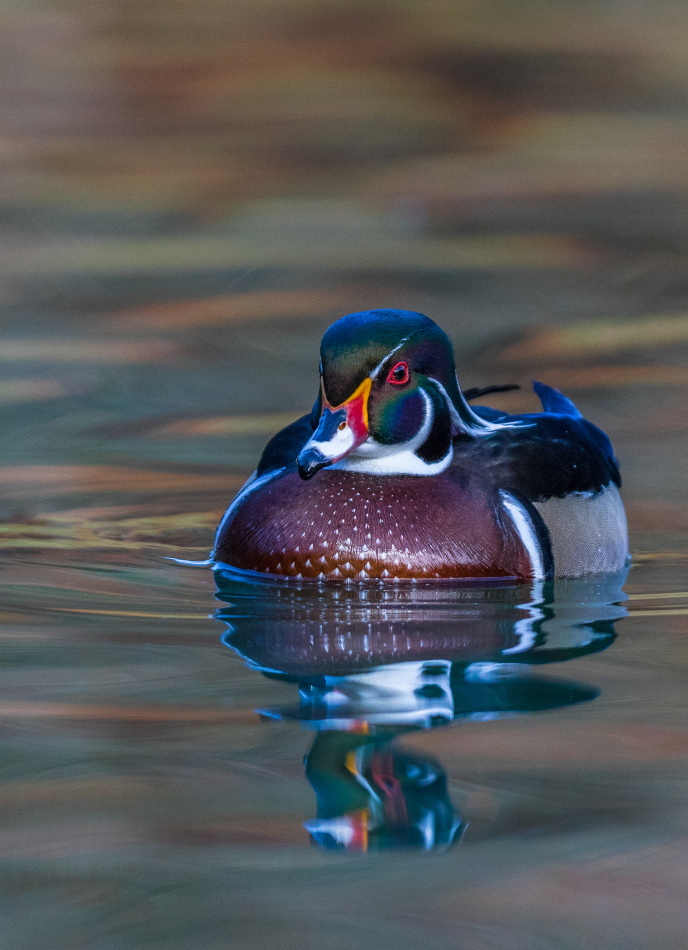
(526, 531)
(373, 458)
(338, 445)
(405, 462)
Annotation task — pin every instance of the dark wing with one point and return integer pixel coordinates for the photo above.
(283, 448)
(554, 453)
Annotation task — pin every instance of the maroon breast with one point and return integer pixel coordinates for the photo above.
(347, 525)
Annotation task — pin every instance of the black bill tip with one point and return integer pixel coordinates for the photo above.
(310, 462)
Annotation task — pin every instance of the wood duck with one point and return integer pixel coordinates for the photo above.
(393, 475)
(372, 796)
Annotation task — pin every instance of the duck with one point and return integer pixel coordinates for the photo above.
(396, 475)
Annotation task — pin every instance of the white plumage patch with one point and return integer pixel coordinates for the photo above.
(341, 442)
(525, 530)
(471, 423)
(374, 458)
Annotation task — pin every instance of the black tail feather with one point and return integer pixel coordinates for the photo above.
(476, 392)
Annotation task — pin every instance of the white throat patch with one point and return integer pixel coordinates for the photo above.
(374, 458)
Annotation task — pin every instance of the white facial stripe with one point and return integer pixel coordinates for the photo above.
(455, 418)
(526, 532)
(475, 424)
(391, 352)
(373, 373)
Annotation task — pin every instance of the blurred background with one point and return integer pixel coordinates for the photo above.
(190, 192)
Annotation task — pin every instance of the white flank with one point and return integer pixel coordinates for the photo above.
(526, 532)
(588, 531)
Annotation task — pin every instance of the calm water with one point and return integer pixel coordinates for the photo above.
(496, 767)
(373, 664)
(190, 194)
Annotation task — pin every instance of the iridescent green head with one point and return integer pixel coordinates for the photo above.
(389, 398)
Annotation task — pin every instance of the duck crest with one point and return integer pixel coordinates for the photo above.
(394, 475)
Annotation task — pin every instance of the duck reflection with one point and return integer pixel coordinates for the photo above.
(374, 663)
(372, 796)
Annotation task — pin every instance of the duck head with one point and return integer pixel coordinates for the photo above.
(389, 400)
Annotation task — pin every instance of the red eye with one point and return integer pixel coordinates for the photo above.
(399, 374)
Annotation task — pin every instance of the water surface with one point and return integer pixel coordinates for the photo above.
(190, 194)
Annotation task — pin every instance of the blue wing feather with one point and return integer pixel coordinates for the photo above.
(554, 401)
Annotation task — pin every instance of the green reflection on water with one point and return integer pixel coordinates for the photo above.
(375, 662)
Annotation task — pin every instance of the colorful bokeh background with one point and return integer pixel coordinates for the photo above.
(189, 193)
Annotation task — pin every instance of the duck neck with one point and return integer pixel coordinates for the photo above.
(437, 447)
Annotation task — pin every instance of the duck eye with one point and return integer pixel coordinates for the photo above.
(399, 374)
(342, 425)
